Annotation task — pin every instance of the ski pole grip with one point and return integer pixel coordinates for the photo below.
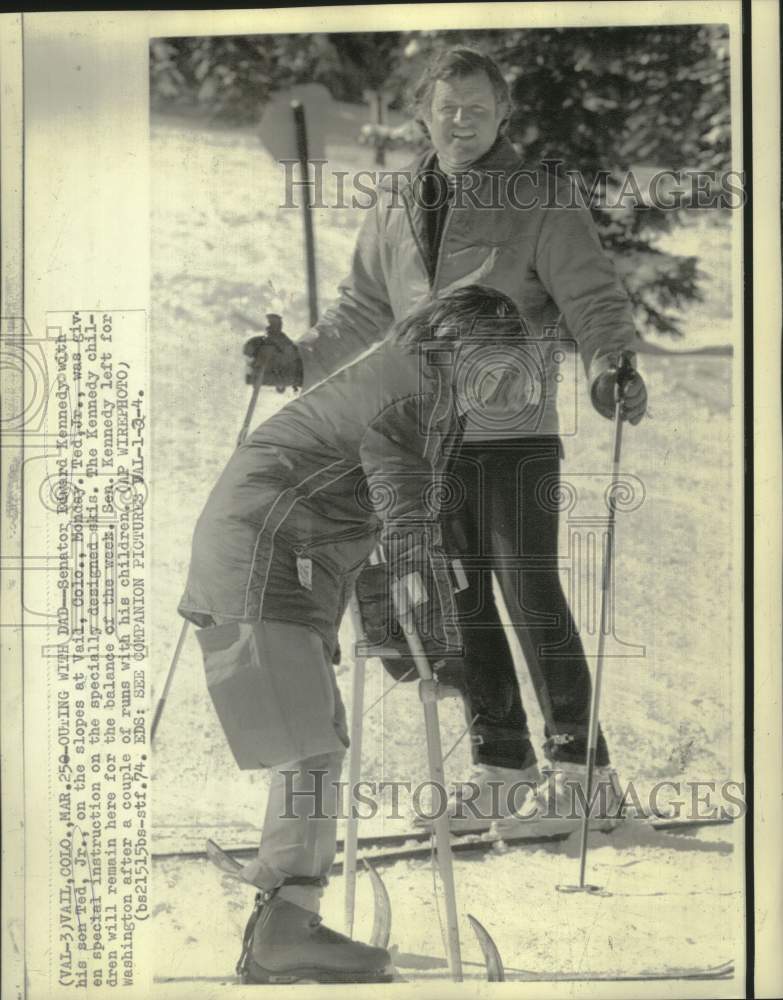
(254, 346)
(274, 324)
(625, 372)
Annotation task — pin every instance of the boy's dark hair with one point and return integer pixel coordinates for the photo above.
(456, 63)
(457, 314)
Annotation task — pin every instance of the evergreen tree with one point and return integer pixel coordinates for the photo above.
(603, 102)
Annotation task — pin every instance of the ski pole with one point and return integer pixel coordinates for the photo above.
(302, 152)
(250, 409)
(354, 772)
(351, 842)
(186, 624)
(623, 373)
(403, 603)
(169, 678)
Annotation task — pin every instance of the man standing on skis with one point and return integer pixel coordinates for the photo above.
(466, 212)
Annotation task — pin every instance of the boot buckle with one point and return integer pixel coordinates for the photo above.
(263, 897)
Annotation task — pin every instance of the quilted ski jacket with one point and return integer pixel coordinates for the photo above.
(505, 229)
(302, 504)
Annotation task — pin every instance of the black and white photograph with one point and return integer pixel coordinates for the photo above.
(556, 208)
(380, 469)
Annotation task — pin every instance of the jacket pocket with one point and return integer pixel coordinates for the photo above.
(339, 553)
(273, 691)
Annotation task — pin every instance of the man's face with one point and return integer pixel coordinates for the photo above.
(464, 119)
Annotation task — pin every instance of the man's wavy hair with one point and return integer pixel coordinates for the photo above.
(471, 310)
(457, 63)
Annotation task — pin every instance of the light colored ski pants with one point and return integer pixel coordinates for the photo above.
(299, 698)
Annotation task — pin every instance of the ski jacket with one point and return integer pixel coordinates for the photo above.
(506, 228)
(302, 504)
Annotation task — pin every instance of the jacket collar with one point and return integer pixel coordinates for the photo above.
(500, 158)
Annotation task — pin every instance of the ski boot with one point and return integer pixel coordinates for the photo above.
(562, 794)
(491, 794)
(285, 943)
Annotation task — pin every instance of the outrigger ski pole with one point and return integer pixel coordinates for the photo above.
(274, 322)
(623, 373)
(428, 693)
(429, 700)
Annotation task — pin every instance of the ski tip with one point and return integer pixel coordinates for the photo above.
(495, 971)
(381, 926)
(725, 970)
(221, 860)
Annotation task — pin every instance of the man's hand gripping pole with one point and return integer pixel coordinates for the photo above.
(255, 375)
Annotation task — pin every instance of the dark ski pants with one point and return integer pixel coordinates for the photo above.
(507, 524)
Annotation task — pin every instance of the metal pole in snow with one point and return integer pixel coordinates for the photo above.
(307, 209)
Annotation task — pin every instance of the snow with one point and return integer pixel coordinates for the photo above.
(220, 242)
(651, 919)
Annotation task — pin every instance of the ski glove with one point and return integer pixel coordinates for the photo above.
(383, 632)
(279, 358)
(421, 581)
(629, 383)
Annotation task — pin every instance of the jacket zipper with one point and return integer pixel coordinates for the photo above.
(416, 239)
(307, 551)
(449, 213)
(342, 536)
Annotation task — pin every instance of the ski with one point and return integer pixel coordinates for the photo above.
(243, 841)
(723, 971)
(398, 848)
(422, 847)
(707, 972)
(414, 840)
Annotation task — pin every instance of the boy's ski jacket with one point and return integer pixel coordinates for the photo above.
(302, 504)
(513, 230)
